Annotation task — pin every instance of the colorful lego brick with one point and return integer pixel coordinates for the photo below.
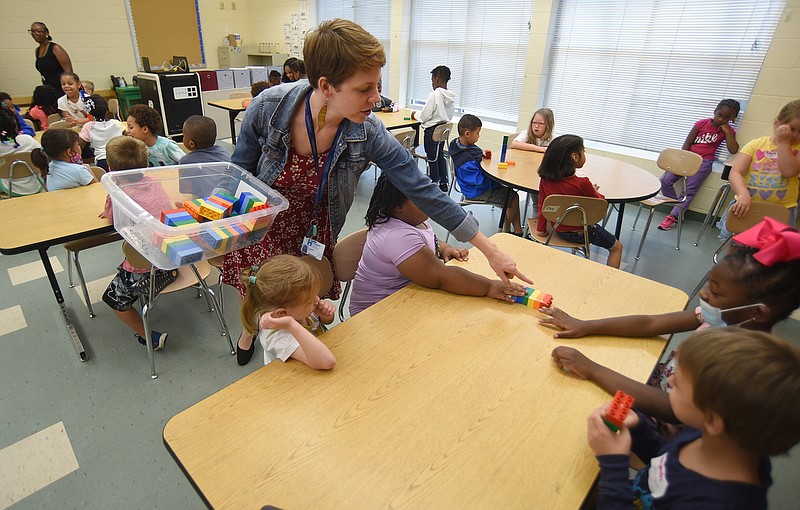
(535, 299)
(193, 208)
(224, 200)
(177, 218)
(511, 162)
(212, 211)
(181, 250)
(244, 202)
(257, 206)
(502, 166)
(618, 410)
(503, 149)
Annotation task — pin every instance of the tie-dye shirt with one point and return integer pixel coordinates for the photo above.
(763, 179)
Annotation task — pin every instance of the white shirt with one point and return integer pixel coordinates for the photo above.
(99, 133)
(523, 137)
(74, 110)
(25, 185)
(439, 108)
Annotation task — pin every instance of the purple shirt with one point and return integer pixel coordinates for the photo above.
(388, 245)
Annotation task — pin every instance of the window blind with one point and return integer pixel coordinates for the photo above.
(374, 15)
(640, 74)
(485, 45)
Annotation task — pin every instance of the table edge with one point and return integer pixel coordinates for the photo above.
(16, 250)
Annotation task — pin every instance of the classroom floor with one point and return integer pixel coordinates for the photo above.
(88, 435)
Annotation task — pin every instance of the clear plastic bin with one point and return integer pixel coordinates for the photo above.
(137, 211)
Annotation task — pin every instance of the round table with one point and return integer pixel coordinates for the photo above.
(619, 182)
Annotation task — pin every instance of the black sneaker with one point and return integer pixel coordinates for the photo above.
(159, 340)
(243, 356)
(444, 187)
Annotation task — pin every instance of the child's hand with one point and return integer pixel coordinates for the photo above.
(569, 326)
(741, 206)
(102, 214)
(541, 233)
(325, 310)
(460, 254)
(596, 187)
(487, 154)
(603, 440)
(269, 322)
(498, 290)
(783, 134)
(726, 128)
(574, 361)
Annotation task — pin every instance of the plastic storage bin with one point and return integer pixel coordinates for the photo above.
(168, 247)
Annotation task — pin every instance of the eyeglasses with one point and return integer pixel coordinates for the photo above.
(534, 123)
(36, 31)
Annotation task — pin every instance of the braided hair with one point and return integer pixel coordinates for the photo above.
(385, 198)
(8, 127)
(732, 104)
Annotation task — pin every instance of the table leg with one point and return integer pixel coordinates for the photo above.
(503, 212)
(51, 275)
(232, 114)
(619, 220)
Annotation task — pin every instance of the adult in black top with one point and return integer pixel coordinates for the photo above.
(51, 58)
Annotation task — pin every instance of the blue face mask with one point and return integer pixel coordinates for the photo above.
(713, 315)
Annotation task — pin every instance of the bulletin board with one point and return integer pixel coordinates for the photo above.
(162, 29)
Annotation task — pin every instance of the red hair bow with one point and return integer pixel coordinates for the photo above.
(775, 242)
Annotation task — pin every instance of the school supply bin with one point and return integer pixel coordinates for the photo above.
(168, 247)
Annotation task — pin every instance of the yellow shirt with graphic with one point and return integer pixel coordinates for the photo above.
(763, 179)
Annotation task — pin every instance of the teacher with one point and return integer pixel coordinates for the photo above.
(51, 58)
(311, 141)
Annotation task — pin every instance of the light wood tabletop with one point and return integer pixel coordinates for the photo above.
(437, 401)
(397, 120)
(234, 108)
(55, 217)
(619, 181)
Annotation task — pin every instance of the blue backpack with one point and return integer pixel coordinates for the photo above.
(471, 180)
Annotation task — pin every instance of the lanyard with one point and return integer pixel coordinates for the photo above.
(323, 179)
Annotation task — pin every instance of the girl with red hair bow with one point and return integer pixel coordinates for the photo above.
(754, 287)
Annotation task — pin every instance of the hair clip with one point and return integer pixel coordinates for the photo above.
(252, 279)
(254, 268)
(774, 241)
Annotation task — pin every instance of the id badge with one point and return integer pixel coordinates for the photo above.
(313, 248)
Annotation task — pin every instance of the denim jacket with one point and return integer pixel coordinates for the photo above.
(262, 148)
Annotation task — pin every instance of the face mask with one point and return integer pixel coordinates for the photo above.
(713, 315)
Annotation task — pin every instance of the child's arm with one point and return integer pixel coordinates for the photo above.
(687, 144)
(788, 163)
(427, 110)
(325, 310)
(525, 146)
(312, 351)
(652, 401)
(736, 178)
(730, 139)
(626, 325)
(425, 269)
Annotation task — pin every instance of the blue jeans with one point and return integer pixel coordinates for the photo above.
(722, 224)
(437, 169)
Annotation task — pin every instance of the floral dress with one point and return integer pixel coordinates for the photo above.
(298, 183)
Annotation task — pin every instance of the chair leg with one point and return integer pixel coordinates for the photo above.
(646, 229)
(146, 320)
(345, 293)
(716, 205)
(610, 210)
(635, 220)
(79, 269)
(69, 268)
(220, 318)
(699, 286)
(680, 229)
(221, 296)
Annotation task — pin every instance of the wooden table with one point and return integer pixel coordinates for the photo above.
(437, 401)
(37, 222)
(399, 120)
(619, 182)
(234, 107)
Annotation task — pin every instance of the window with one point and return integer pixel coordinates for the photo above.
(640, 74)
(485, 45)
(374, 15)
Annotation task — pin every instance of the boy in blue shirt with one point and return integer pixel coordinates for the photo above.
(199, 135)
(474, 184)
(736, 390)
(144, 123)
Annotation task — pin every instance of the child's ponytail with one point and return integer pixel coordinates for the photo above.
(557, 163)
(40, 159)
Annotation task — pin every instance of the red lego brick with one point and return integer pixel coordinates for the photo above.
(618, 410)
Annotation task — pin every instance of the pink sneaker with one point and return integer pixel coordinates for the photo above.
(668, 222)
